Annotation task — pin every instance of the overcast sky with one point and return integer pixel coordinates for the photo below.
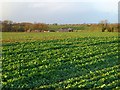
(59, 11)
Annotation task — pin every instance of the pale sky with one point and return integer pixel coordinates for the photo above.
(59, 11)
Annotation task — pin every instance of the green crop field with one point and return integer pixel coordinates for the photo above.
(60, 60)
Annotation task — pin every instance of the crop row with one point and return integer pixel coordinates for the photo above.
(70, 63)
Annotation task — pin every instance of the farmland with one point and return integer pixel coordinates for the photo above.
(60, 60)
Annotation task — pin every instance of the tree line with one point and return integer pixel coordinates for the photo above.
(10, 26)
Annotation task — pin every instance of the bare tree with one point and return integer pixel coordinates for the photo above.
(106, 26)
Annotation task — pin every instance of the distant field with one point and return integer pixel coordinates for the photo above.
(60, 60)
(24, 37)
(75, 27)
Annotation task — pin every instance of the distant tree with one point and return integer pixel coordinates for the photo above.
(55, 24)
(7, 25)
(28, 26)
(103, 24)
(44, 26)
(21, 28)
(40, 26)
(106, 26)
(15, 27)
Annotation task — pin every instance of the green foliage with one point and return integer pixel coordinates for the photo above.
(79, 62)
